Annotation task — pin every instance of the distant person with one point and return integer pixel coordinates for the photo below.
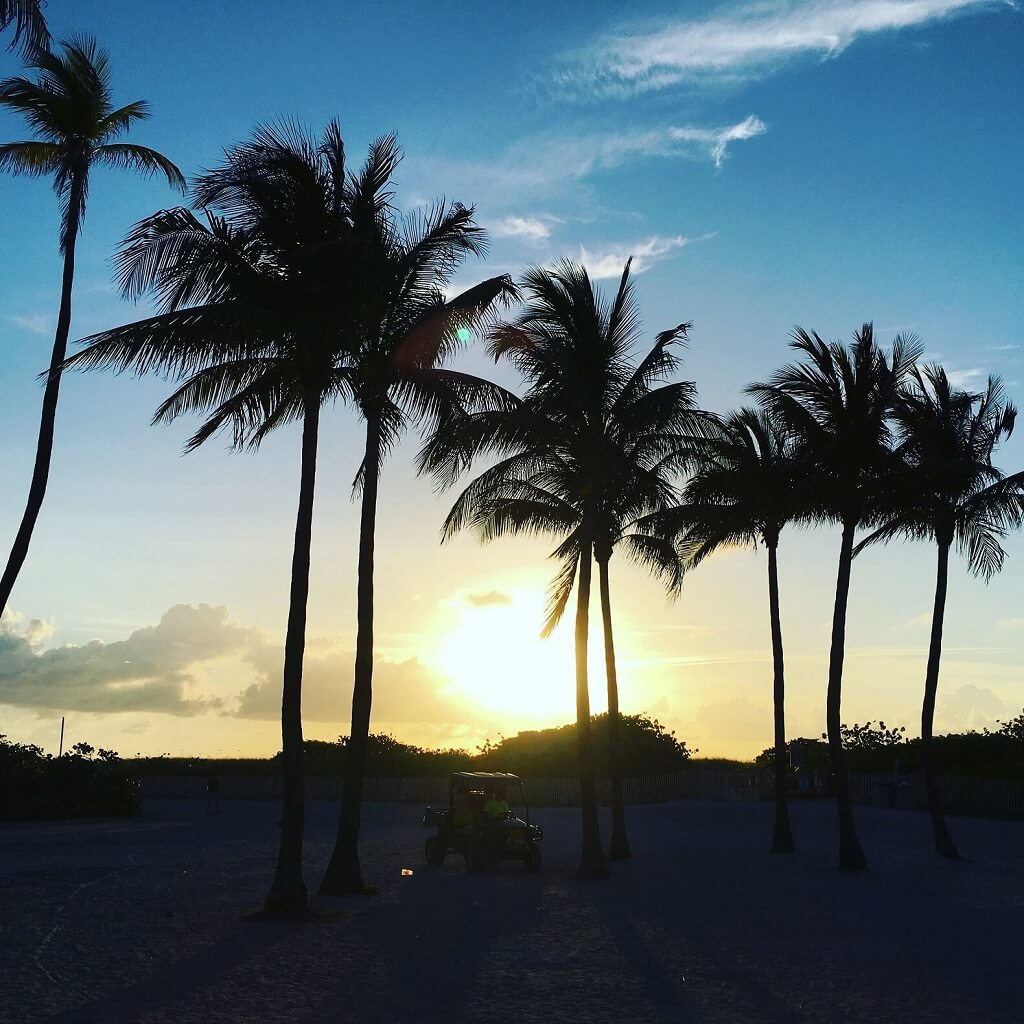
(496, 807)
(213, 794)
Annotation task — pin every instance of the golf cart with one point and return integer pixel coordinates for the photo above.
(484, 838)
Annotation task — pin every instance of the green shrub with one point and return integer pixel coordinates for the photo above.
(84, 782)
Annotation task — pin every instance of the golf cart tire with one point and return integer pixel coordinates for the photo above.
(434, 851)
(476, 859)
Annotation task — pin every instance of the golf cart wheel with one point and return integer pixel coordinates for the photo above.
(476, 858)
(532, 859)
(434, 851)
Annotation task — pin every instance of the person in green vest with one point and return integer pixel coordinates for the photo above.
(496, 807)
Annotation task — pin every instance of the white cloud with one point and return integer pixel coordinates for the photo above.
(166, 669)
(971, 707)
(748, 41)
(608, 262)
(966, 378)
(541, 165)
(1011, 623)
(530, 229)
(150, 670)
(717, 139)
(35, 323)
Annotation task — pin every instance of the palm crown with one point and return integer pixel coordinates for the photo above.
(69, 107)
(836, 404)
(589, 450)
(270, 286)
(946, 488)
(743, 487)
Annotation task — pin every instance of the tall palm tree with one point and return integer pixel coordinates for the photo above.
(29, 24)
(836, 403)
(257, 282)
(69, 107)
(947, 490)
(583, 455)
(742, 490)
(402, 331)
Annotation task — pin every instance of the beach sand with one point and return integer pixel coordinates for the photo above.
(139, 920)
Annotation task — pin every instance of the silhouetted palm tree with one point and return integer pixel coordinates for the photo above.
(30, 29)
(403, 331)
(583, 455)
(836, 403)
(70, 110)
(256, 294)
(947, 490)
(743, 489)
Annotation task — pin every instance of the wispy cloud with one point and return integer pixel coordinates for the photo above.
(717, 140)
(529, 229)
(35, 323)
(748, 41)
(1011, 623)
(609, 261)
(966, 378)
(491, 599)
(545, 164)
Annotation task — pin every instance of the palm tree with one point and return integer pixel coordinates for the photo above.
(255, 294)
(69, 107)
(947, 490)
(29, 24)
(836, 403)
(402, 332)
(743, 489)
(583, 456)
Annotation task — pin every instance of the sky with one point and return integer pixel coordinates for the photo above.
(819, 163)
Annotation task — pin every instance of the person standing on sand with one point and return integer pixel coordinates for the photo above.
(213, 793)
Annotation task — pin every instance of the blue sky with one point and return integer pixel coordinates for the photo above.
(769, 164)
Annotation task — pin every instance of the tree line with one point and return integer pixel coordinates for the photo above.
(290, 280)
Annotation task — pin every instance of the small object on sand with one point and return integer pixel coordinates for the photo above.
(406, 872)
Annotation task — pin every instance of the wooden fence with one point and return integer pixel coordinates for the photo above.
(985, 798)
(695, 784)
(996, 798)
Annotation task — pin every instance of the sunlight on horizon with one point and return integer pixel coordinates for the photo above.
(493, 654)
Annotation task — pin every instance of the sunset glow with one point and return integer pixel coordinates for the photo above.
(495, 656)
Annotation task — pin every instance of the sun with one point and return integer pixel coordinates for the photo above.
(490, 648)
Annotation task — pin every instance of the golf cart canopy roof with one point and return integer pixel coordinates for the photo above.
(485, 776)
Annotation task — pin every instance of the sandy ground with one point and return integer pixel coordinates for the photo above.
(139, 921)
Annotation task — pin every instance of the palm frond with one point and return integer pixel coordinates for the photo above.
(30, 31)
(142, 159)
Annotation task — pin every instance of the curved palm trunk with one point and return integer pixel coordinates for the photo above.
(944, 844)
(48, 418)
(782, 838)
(851, 856)
(288, 891)
(344, 874)
(592, 864)
(619, 847)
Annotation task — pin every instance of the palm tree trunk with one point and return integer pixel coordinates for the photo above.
(782, 838)
(592, 864)
(48, 418)
(619, 848)
(944, 844)
(344, 874)
(851, 856)
(288, 892)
